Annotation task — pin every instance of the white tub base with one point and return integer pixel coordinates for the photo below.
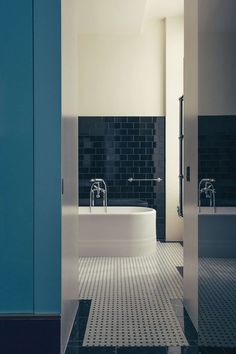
(122, 231)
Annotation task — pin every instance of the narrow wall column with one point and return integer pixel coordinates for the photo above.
(70, 269)
(174, 89)
(191, 159)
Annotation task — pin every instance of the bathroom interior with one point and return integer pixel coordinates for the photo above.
(124, 230)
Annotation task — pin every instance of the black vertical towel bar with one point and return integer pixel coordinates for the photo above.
(181, 142)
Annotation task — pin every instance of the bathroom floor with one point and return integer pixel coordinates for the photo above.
(217, 303)
(131, 299)
(133, 305)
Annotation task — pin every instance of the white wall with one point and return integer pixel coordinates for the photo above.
(122, 74)
(138, 75)
(191, 159)
(69, 169)
(174, 89)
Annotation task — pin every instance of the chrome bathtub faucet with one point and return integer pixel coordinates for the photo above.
(209, 190)
(98, 187)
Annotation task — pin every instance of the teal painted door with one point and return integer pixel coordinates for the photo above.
(16, 157)
(47, 154)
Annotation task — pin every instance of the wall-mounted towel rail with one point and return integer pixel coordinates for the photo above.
(181, 143)
(145, 180)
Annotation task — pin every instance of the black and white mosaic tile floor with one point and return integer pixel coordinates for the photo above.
(134, 306)
(131, 299)
(217, 302)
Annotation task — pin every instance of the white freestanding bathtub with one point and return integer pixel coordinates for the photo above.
(122, 231)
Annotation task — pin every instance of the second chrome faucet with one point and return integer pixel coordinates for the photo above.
(207, 188)
(98, 187)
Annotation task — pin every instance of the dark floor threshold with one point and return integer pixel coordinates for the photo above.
(30, 334)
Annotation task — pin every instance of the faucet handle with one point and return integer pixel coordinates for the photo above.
(208, 180)
(96, 180)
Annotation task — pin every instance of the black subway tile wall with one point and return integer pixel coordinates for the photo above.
(117, 148)
(217, 155)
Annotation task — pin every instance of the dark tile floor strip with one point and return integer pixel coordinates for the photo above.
(84, 308)
(79, 327)
(180, 270)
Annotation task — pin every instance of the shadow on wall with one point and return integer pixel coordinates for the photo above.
(116, 148)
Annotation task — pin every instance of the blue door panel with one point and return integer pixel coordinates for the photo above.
(47, 147)
(16, 157)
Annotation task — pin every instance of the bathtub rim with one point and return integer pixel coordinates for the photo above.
(219, 211)
(133, 210)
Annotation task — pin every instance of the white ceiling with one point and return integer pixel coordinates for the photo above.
(123, 16)
(110, 16)
(165, 8)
